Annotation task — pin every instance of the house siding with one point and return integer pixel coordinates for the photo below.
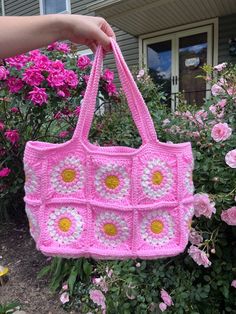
(21, 7)
(227, 27)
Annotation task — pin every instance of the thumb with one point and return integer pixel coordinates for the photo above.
(103, 40)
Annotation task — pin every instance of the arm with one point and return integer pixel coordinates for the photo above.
(24, 33)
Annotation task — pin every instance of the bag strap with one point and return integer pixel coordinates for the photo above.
(138, 108)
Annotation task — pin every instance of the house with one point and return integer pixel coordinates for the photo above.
(173, 38)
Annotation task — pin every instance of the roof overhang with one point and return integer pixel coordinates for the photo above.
(139, 17)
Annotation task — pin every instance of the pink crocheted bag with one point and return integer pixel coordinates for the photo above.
(109, 202)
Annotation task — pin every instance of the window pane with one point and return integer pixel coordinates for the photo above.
(0, 8)
(54, 6)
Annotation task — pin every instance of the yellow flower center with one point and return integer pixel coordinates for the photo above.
(110, 229)
(112, 182)
(157, 178)
(190, 224)
(64, 224)
(157, 226)
(68, 175)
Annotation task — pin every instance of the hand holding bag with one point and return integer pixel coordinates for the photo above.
(109, 202)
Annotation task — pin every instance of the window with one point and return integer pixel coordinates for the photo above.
(86, 52)
(2, 11)
(54, 6)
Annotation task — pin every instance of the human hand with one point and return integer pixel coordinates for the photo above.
(87, 30)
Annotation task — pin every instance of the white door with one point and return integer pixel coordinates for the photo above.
(174, 61)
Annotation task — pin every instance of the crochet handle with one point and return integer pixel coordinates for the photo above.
(138, 108)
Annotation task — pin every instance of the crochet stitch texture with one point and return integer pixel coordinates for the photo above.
(109, 202)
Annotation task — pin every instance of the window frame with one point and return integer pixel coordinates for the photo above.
(3, 7)
(67, 11)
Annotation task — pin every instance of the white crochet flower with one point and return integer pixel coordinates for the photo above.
(33, 223)
(68, 176)
(31, 179)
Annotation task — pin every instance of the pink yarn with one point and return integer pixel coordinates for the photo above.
(110, 202)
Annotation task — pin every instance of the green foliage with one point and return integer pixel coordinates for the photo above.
(8, 308)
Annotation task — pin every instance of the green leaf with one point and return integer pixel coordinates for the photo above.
(72, 279)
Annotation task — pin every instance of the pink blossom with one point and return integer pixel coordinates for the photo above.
(3, 73)
(14, 84)
(140, 74)
(162, 306)
(229, 216)
(110, 88)
(86, 78)
(166, 297)
(63, 47)
(230, 158)
(83, 62)
(38, 96)
(14, 109)
(58, 65)
(195, 237)
(42, 63)
(203, 206)
(63, 134)
(221, 132)
(199, 256)
(65, 286)
(216, 90)
(196, 134)
(231, 91)
(63, 92)
(17, 62)
(4, 172)
(233, 283)
(64, 298)
(52, 46)
(220, 66)
(97, 297)
(2, 126)
(77, 111)
(71, 78)
(32, 76)
(108, 75)
(58, 115)
(34, 55)
(222, 103)
(56, 78)
(12, 136)
(60, 93)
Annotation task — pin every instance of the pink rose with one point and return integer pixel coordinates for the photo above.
(14, 109)
(86, 78)
(162, 306)
(77, 111)
(166, 297)
(229, 216)
(64, 298)
(3, 73)
(110, 88)
(195, 237)
(108, 75)
(222, 103)
(203, 206)
(56, 78)
(71, 78)
(63, 47)
(97, 297)
(42, 63)
(32, 76)
(83, 62)
(38, 96)
(230, 158)
(233, 283)
(12, 136)
(220, 66)
(221, 132)
(17, 62)
(231, 91)
(65, 286)
(14, 84)
(4, 172)
(199, 256)
(52, 46)
(216, 90)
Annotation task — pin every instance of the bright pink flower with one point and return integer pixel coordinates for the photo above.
(222, 103)
(17, 62)
(38, 96)
(58, 115)
(233, 283)
(56, 78)
(86, 78)
(203, 206)
(58, 65)
(63, 47)
(3, 73)
(14, 109)
(97, 297)
(71, 78)
(77, 110)
(162, 306)
(166, 297)
(33, 77)
(14, 84)
(83, 62)
(230, 158)
(64, 298)
(220, 66)
(195, 237)
(108, 75)
(221, 132)
(60, 93)
(12, 136)
(110, 88)
(63, 134)
(52, 46)
(199, 256)
(4, 172)
(2, 126)
(34, 55)
(231, 91)
(42, 63)
(216, 90)
(229, 216)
